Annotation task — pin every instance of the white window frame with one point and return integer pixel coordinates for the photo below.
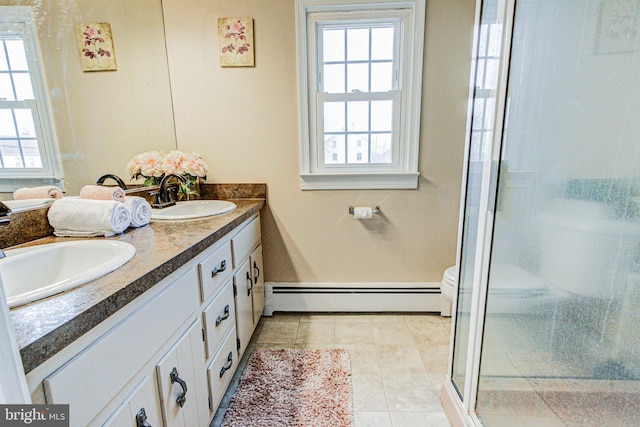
(402, 173)
(22, 23)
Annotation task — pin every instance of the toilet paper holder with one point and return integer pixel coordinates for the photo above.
(375, 211)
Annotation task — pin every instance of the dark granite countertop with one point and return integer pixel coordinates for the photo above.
(45, 327)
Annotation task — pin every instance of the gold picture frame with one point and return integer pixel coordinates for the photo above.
(96, 47)
(235, 41)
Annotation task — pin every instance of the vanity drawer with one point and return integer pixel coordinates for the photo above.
(215, 270)
(222, 368)
(219, 317)
(244, 242)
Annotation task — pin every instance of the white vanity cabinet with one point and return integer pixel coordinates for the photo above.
(168, 357)
(248, 280)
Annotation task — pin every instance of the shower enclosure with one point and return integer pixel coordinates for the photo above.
(547, 313)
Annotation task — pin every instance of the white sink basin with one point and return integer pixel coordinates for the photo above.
(36, 272)
(193, 209)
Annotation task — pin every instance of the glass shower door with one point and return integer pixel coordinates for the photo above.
(561, 335)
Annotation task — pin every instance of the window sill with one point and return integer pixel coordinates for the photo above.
(360, 181)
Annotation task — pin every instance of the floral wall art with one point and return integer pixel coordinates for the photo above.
(235, 39)
(96, 47)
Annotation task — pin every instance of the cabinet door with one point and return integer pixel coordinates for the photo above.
(140, 407)
(258, 284)
(180, 373)
(243, 281)
(222, 368)
(219, 317)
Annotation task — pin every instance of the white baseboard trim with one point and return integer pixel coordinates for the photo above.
(352, 297)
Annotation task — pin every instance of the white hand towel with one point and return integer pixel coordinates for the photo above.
(140, 210)
(99, 192)
(88, 218)
(42, 192)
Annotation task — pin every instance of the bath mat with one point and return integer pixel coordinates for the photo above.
(293, 388)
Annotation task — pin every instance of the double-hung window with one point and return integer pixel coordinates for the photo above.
(28, 150)
(359, 74)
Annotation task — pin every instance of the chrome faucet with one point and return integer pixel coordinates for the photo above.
(163, 196)
(4, 220)
(116, 178)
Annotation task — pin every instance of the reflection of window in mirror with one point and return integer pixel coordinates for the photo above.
(28, 151)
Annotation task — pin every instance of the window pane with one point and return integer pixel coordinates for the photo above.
(358, 77)
(334, 149)
(3, 58)
(10, 154)
(334, 117)
(382, 116)
(24, 120)
(6, 88)
(358, 116)
(381, 77)
(17, 57)
(24, 90)
(381, 148)
(382, 43)
(7, 127)
(358, 44)
(31, 153)
(358, 148)
(334, 78)
(332, 45)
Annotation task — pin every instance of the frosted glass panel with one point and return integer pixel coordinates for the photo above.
(561, 343)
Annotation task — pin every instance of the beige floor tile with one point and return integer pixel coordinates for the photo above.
(422, 318)
(419, 419)
(392, 333)
(371, 419)
(399, 359)
(368, 392)
(411, 392)
(283, 317)
(385, 318)
(316, 333)
(353, 333)
(275, 346)
(352, 318)
(363, 358)
(433, 333)
(434, 358)
(278, 333)
(311, 346)
(317, 318)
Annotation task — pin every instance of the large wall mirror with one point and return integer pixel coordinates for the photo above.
(103, 118)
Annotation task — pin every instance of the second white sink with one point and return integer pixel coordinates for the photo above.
(36, 272)
(193, 209)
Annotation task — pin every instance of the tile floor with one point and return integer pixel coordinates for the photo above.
(398, 361)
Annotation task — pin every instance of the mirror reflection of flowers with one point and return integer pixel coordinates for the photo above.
(236, 31)
(152, 166)
(148, 166)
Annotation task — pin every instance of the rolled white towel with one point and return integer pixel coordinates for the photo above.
(42, 192)
(140, 210)
(88, 218)
(99, 192)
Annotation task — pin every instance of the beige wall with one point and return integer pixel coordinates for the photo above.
(244, 123)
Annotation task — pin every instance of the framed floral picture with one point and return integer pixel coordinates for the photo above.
(235, 39)
(96, 47)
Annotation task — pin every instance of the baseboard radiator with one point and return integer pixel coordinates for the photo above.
(352, 297)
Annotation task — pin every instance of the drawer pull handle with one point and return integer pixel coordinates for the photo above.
(255, 267)
(250, 280)
(228, 365)
(141, 419)
(182, 397)
(220, 319)
(216, 270)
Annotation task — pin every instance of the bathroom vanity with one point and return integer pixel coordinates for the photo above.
(158, 340)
